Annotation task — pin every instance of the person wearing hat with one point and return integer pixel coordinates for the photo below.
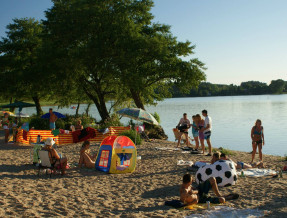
(55, 159)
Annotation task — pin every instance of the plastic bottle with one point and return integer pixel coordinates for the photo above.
(208, 205)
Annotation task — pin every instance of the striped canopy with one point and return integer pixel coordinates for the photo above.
(138, 114)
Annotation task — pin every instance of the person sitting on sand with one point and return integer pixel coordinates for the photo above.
(55, 159)
(85, 157)
(190, 195)
(241, 165)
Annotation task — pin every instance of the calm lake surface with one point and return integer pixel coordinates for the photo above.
(232, 117)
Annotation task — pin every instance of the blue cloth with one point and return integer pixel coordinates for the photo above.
(194, 131)
(52, 125)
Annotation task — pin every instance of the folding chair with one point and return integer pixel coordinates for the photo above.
(45, 163)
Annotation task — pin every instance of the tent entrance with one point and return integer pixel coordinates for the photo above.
(104, 159)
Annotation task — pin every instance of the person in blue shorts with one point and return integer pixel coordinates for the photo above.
(207, 130)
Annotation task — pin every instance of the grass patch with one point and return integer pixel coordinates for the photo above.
(223, 150)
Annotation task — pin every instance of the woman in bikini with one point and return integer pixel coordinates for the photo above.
(195, 132)
(257, 137)
(85, 157)
(200, 123)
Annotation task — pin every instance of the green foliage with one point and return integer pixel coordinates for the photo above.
(132, 135)
(114, 120)
(156, 116)
(38, 123)
(277, 86)
(223, 150)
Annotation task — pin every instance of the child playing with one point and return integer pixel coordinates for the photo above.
(188, 195)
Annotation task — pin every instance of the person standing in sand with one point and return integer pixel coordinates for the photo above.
(85, 157)
(6, 125)
(200, 123)
(183, 126)
(257, 138)
(52, 119)
(195, 132)
(207, 130)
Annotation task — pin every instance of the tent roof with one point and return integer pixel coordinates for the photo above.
(118, 141)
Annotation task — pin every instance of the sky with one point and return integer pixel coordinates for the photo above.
(238, 40)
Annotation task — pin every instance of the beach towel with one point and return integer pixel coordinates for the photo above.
(179, 205)
(200, 163)
(257, 172)
(223, 211)
(184, 163)
(25, 135)
(167, 148)
(83, 135)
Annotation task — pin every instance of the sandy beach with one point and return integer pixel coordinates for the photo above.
(84, 192)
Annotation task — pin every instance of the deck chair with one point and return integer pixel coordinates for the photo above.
(45, 163)
(176, 133)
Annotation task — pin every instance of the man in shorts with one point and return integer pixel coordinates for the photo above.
(52, 119)
(207, 130)
(183, 126)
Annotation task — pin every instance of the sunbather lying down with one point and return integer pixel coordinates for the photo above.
(242, 165)
(190, 195)
(86, 158)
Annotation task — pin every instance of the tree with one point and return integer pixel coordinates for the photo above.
(21, 74)
(277, 86)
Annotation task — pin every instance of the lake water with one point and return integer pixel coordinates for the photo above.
(232, 118)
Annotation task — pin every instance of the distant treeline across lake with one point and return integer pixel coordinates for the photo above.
(245, 88)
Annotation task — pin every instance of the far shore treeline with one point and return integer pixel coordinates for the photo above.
(278, 86)
(103, 51)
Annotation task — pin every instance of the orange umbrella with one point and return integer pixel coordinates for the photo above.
(6, 112)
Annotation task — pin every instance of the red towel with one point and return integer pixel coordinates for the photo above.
(84, 134)
(25, 135)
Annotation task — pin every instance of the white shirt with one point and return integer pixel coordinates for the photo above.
(207, 121)
(183, 122)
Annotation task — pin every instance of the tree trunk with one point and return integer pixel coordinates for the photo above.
(137, 99)
(77, 110)
(36, 100)
(88, 109)
(100, 104)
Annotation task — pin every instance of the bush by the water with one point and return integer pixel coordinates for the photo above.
(63, 123)
(132, 135)
(114, 120)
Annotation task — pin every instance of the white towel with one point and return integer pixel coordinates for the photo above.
(184, 163)
(257, 172)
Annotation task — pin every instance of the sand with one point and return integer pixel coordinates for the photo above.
(140, 194)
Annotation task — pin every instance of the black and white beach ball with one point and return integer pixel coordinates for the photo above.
(224, 172)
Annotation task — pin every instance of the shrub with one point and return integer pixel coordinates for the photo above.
(38, 123)
(156, 116)
(223, 150)
(132, 135)
(113, 121)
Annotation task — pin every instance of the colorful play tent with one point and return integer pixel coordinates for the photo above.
(117, 154)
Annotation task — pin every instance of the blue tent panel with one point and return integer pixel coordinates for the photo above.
(103, 162)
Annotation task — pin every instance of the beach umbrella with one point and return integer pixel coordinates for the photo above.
(47, 115)
(20, 114)
(138, 114)
(18, 104)
(6, 112)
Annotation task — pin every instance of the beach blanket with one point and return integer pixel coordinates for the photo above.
(200, 164)
(84, 134)
(219, 211)
(184, 163)
(167, 148)
(179, 205)
(258, 172)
